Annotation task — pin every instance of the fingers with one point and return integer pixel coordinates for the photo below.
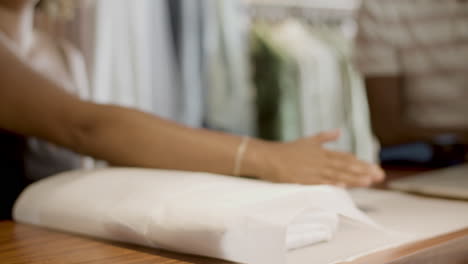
(327, 136)
(347, 178)
(379, 173)
(351, 170)
(340, 175)
(306, 162)
(326, 174)
(320, 180)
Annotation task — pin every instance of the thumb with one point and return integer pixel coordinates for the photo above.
(327, 136)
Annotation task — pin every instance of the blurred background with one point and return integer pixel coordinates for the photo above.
(283, 69)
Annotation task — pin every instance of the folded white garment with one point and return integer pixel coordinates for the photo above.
(230, 218)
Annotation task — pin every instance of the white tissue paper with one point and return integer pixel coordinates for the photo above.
(229, 218)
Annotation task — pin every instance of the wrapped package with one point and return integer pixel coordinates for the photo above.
(235, 219)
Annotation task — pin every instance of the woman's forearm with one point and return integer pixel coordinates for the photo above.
(33, 105)
(128, 137)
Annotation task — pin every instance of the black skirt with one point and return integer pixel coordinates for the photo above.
(12, 176)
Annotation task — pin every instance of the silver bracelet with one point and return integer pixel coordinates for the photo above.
(240, 156)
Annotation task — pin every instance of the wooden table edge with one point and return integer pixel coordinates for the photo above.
(400, 252)
(381, 257)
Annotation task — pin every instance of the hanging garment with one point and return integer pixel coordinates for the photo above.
(182, 60)
(165, 95)
(229, 105)
(320, 80)
(134, 59)
(330, 93)
(362, 142)
(275, 76)
(175, 14)
(191, 65)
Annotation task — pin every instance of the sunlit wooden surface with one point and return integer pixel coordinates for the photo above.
(31, 245)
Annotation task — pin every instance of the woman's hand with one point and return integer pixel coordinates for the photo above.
(306, 161)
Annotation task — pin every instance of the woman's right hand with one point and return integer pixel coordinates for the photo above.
(306, 161)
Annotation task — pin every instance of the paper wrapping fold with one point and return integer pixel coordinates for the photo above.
(235, 219)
